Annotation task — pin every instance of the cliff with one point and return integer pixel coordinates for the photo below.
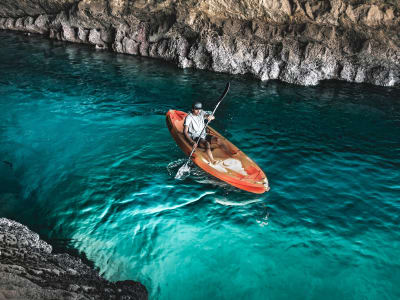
(29, 270)
(296, 41)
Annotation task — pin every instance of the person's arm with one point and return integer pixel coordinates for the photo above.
(208, 115)
(186, 125)
(186, 133)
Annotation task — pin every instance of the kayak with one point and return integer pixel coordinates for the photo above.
(233, 166)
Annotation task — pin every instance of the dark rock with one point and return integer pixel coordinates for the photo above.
(29, 270)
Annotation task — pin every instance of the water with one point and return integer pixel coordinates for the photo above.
(93, 168)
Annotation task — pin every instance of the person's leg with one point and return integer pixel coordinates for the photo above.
(209, 153)
(221, 144)
(202, 144)
(205, 144)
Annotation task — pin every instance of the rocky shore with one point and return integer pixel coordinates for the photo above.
(296, 41)
(29, 270)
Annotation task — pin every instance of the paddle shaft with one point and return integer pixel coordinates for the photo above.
(208, 121)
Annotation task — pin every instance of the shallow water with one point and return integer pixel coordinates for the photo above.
(93, 168)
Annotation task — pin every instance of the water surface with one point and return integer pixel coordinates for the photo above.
(86, 136)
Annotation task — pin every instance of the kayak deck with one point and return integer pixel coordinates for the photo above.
(233, 167)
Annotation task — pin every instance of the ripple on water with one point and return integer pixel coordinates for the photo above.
(94, 166)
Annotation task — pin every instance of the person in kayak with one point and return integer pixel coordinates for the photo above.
(193, 126)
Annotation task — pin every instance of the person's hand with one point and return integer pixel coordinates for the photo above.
(210, 118)
(194, 146)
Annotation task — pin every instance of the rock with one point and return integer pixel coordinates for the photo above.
(83, 35)
(95, 37)
(68, 33)
(375, 16)
(389, 16)
(54, 34)
(130, 46)
(286, 7)
(75, 288)
(19, 24)
(10, 23)
(72, 272)
(107, 35)
(299, 41)
(351, 14)
(144, 49)
(29, 270)
(42, 23)
(2, 23)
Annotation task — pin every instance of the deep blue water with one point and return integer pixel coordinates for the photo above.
(85, 133)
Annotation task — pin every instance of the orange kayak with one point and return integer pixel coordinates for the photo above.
(235, 167)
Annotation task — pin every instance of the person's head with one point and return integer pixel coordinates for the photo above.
(197, 107)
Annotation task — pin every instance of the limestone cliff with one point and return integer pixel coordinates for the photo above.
(29, 270)
(297, 41)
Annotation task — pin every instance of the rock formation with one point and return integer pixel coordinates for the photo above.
(29, 270)
(296, 41)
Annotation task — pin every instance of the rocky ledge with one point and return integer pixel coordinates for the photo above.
(296, 41)
(29, 270)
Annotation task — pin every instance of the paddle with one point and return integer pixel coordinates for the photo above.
(185, 169)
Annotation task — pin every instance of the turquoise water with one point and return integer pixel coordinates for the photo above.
(93, 168)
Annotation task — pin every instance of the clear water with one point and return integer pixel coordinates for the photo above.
(94, 166)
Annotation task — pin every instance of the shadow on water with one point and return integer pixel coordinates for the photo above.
(61, 246)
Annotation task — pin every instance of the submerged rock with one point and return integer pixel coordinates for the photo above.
(29, 270)
(301, 41)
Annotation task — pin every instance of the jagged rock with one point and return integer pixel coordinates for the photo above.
(297, 41)
(95, 37)
(83, 35)
(29, 270)
(42, 23)
(130, 46)
(68, 33)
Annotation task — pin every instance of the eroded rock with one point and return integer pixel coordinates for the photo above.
(301, 41)
(29, 270)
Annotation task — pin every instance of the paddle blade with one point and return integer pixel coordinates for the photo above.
(183, 172)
